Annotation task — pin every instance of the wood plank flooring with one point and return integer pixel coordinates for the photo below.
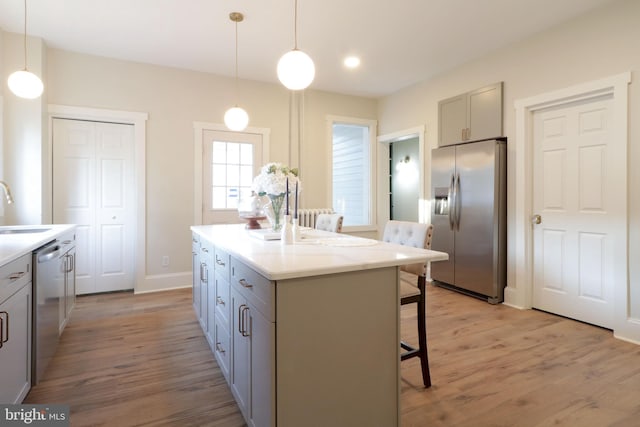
(142, 360)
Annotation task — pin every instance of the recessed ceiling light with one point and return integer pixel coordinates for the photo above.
(351, 62)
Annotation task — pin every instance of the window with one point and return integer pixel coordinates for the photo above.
(231, 172)
(229, 163)
(353, 160)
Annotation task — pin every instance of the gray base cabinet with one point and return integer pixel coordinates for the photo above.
(15, 335)
(305, 351)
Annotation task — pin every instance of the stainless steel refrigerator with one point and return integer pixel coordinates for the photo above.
(469, 212)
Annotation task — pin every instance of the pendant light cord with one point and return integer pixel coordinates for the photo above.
(236, 62)
(295, 25)
(25, 35)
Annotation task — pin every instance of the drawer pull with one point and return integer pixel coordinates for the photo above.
(219, 348)
(205, 250)
(220, 301)
(16, 275)
(245, 284)
(220, 262)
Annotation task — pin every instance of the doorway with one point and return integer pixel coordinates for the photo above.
(94, 187)
(576, 206)
(519, 291)
(404, 180)
(384, 171)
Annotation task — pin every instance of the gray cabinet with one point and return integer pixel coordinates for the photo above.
(15, 330)
(287, 370)
(471, 116)
(66, 283)
(253, 346)
(221, 342)
(196, 270)
(206, 282)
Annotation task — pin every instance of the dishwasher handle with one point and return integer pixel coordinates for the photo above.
(49, 253)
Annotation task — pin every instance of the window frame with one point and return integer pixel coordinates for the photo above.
(373, 126)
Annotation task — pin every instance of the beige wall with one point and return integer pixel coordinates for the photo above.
(24, 136)
(597, 45)
(175, 99)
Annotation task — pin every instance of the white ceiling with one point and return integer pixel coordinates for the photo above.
(400, 42)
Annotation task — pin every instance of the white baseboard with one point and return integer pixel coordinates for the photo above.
(512, 298)
(629, 332)
(164, 282)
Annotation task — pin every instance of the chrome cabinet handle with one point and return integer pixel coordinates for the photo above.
(220, 262)
(4, 325)
(245, 311)
(16, 275)
(242, 313)
(220, 301)
(203, 273)
(245, 284)
(204, 250)
(219, 348)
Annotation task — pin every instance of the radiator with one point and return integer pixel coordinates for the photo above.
(307, 217)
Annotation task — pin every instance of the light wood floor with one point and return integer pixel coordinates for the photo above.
(128, 360)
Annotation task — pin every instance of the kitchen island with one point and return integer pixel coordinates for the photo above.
(305, 334)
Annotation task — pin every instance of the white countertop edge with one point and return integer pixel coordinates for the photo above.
(349, 258)
(13, 246)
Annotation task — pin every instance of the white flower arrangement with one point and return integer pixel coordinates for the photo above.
(272, 180)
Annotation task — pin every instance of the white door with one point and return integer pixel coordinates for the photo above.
(93, 187)
(581, 212)
(230, 161)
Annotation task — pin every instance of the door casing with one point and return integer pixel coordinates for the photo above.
(519, 290)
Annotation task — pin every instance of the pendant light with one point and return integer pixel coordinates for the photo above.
(295, 69)
(24, 83)
(236, 118)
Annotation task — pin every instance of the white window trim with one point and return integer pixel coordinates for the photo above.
(373, 152)
(198, 131)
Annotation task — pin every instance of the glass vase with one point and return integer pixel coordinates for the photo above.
(274, 210)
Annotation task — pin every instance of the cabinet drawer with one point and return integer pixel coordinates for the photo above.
(221, 262)
(222, 347)
(222, 300)
(258, 290)
(14, 275)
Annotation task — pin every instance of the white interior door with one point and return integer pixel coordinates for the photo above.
(93, 187)
(230, 161)
(581, 212)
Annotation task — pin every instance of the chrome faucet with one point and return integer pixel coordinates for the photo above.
(7, 192)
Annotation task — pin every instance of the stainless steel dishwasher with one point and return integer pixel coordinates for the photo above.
(54, 266)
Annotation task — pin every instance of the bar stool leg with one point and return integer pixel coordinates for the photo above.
(422, 334)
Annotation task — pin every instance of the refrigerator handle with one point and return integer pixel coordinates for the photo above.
(457, 206)
(451, 197)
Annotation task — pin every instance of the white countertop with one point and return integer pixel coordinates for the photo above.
(13, 246)
(319, 252)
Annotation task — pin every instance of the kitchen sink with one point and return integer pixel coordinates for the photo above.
(23, 230)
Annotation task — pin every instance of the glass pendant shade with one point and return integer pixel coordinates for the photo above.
(236, 119)
(296, 70)
(25, 84)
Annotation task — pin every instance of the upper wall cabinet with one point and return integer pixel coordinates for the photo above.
(471, 116)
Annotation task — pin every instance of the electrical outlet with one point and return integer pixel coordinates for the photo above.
(165, 261)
